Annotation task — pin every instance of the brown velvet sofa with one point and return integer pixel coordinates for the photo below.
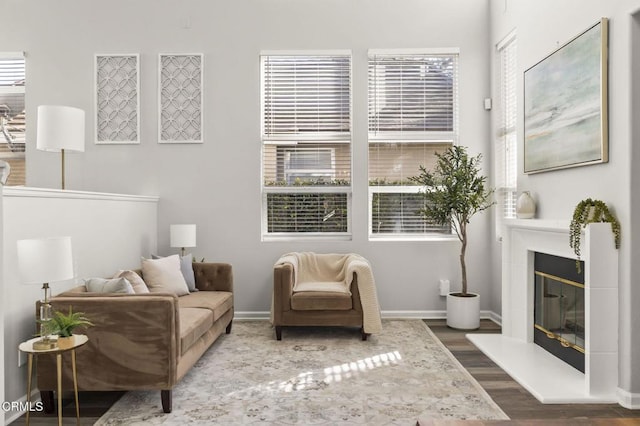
(143, 341)
(313, 308)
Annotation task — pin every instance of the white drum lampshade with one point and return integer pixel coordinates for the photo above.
(60, 129)
(41, 261)
(182, 236)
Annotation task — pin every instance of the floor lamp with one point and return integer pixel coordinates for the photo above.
(41, 261)
(60, 129)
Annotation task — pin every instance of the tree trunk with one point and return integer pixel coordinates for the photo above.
(463, 249)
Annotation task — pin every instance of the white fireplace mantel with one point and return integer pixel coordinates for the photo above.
(548, 378)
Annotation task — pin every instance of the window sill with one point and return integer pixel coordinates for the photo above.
(305, 237)
(407, 238)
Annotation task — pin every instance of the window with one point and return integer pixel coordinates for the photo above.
(12, 115)
(306, 144)
(413, 113)
(506, 138)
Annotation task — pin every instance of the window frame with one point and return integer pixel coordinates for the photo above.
(506, 137)
(298, 142)
(17, 148)
(409, 137)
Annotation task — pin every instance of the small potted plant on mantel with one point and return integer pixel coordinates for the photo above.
(62, 325)
(454, 192)
(586, 212)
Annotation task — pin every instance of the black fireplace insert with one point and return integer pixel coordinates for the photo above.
(559, 317)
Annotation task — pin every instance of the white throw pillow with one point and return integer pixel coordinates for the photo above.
(164, 275)
(136, 281)
(103, 285)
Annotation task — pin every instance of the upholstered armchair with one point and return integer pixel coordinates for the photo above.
(306, 306)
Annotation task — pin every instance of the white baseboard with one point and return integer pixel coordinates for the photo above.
(12, 416)
(628, 400)
(263, 315)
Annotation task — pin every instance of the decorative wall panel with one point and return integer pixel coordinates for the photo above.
(180, 98)
(117, 99)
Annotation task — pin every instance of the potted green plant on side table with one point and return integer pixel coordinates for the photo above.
(62, 325)
(454, 192)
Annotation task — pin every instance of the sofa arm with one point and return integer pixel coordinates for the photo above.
(213, 276)
(133, 344)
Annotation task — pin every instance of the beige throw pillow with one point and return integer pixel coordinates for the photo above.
(134, 279)
(164, 275)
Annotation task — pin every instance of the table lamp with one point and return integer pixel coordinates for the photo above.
(182, 236)
(41, 261)
(60, 129)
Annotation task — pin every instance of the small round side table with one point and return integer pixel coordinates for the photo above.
(27, 347)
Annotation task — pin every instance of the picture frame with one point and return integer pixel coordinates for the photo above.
(180, 98)
(117, 99)
(565, 104)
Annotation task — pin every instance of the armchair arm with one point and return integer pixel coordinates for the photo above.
(133, 344)
(213, 276)
(282, 290)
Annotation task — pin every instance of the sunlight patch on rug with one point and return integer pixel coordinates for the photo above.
(317, 376)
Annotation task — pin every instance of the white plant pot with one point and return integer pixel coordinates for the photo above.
(463, 313)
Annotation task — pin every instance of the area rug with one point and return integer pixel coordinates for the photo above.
(317, 376)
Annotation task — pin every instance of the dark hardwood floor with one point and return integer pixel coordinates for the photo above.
(521, 407)
(515, 401)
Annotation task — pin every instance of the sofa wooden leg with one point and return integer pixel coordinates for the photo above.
(47, 401)
(364, 335)
(278, 332)
(228, 330)
(166, 400)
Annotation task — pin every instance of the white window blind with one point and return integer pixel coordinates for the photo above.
(306, 144)
(413, 110)
(506, 138)
(12, 115)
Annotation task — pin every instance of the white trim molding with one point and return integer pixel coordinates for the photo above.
(628, 400)
(24, 191)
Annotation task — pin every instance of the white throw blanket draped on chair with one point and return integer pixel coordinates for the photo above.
(312, 272)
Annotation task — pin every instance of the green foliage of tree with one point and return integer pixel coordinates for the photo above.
(454, 192)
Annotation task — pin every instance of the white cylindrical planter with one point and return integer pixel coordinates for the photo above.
(463, 313)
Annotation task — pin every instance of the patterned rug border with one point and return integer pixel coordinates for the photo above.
(135, 408)
(470, 377)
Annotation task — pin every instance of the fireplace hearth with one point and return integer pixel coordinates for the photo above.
(548, 378)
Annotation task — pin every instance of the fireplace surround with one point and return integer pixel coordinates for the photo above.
(548, 378)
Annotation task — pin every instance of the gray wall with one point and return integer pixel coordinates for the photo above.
(217, 184)
(542, 26)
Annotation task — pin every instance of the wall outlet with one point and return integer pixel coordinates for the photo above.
(444, 287)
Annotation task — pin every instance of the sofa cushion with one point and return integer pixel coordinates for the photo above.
(320, 301)
(217, 302)
(103, 285)
(134, 279)
(164, 275)
(194, 322)
(186, 267)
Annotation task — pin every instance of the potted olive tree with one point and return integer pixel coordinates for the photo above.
(454, 192)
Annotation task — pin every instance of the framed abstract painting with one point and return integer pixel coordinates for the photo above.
(565, 105)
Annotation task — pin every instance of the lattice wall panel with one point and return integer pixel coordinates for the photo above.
(180, 97)
(117, 99)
